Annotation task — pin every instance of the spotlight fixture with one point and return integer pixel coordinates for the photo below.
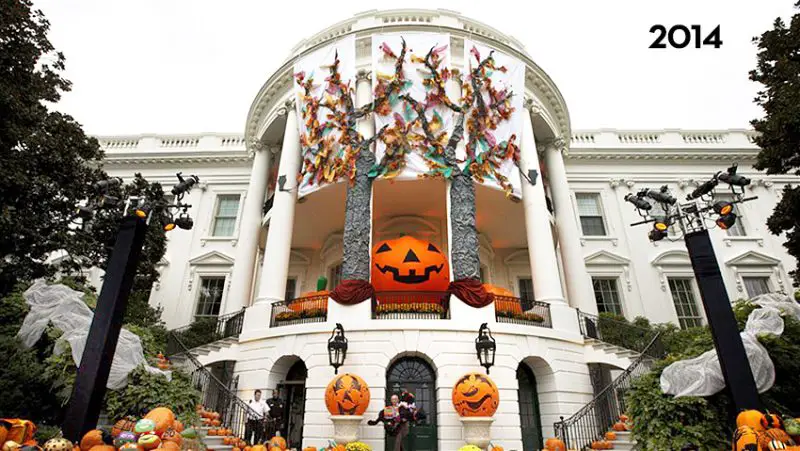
(103, 186)
(169, 226)
(638, 202)
(661, 196)
(184, 221)
(725, 222)
(661, 224)
(723, 208)
(657, 235)
(142, 211)
(732, 178)
(184, 185)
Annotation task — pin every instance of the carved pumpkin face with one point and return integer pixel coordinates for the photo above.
(554, 444)
(475, 395)
(125, 424)
(766, 438)
(277, 442)
(409, 264)
(347, 394)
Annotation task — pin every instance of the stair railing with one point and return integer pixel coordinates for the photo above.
(618, 333)
(216, 396)
(594, 419)
(205, 331)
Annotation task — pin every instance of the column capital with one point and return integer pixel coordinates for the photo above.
(559, 144)
(287, 106)
(254, 146)
(363, 75)
(529, 104)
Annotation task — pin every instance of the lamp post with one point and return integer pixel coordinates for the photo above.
(89, 388)
(486, 347)
(337, 348)
(692, 217)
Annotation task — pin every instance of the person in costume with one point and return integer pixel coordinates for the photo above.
(398, 416)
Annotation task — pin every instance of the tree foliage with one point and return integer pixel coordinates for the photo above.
(778, 71)
(48, 161)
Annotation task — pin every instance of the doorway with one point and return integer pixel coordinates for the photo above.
(293, 392)
(416, 376)
(529, 415)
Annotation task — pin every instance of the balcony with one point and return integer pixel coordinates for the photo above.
(527, 312)
(411, 305)
(303, 310)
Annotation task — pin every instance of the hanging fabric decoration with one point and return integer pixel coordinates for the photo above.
(324, 88)
(494, 122)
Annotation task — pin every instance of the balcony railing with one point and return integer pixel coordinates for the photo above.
(411, 305)
(204, 331)
(308, 309)
(608, 329)
(513, 310)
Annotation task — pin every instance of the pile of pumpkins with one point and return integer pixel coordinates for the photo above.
(276, 443)
(209, 417)
(158, 430)
(17, 435)
(622, 425)
(760, 431)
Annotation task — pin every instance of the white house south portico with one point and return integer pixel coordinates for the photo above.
(412, 175)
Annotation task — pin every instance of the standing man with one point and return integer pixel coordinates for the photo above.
(276, 410)
(255, 419)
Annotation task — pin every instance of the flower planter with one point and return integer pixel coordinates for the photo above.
(345, 428)
(477, 430)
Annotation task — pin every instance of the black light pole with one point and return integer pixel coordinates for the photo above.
(90, 383)
(89, 389)
(692, 217)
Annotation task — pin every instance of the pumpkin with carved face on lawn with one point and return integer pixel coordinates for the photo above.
(347, 394)
(409, 264)
(475, 395)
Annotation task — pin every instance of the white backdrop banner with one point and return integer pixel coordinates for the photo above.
(399, 113)
(509, 77)
(320, 100)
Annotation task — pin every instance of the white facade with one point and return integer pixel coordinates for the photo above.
(252, 257)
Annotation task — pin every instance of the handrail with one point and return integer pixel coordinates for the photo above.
(216, 395)
(514, 310)
(615, 332)
(594, 419)
(206, 330)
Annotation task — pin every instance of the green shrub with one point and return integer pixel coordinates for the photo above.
(147, 390)
(200, 332)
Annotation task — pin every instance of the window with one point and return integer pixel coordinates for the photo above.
(335, 276)
(526, 289)
(210, 300)
(225, 217)
(591, 214)
(756, 285)
(737, 229)
(291, 286)
(606, 295)
(685, 303)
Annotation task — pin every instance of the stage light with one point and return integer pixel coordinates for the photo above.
(184, 222)
(184, 185)
(725, 222)
(641, 204)
(661, 224)
(723, 207)
(169, 226)
(657, 235)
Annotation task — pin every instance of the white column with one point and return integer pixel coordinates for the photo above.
(281, 224)
(579, 288)
(241, 282)
(541, 250)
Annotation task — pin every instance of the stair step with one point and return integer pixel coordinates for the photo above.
(219, 447)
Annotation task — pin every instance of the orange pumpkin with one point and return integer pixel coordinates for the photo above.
(170, 446)
(171, 435)
(236, 448)
(4, 427)
(277, 442)
(178, 426)
(496, 448)
(624, 418)
(247, 448)
(409, 264)
(125, 424)
(103, 448)
(215, 422)
(347, 394)
(555, 444)
(130, 447)
(95, 437)
(619, 426)
(309, 448)
(149, 441)
(611, 435)
(475, 395)
(78, 448)
(601, 444)
(163, 417)
(258, 448)
(751, 418)
(20, 431)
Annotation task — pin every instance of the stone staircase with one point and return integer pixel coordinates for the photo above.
(212, 442)
(624, 441)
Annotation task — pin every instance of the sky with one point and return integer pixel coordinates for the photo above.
(195, 66)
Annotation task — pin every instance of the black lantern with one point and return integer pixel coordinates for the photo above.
(337, 348)
(485, 346)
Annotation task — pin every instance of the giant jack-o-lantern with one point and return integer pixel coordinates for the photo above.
(409, 264)
(475, 395)
(347, 394)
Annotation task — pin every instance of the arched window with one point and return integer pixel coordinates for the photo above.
(416, 376)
